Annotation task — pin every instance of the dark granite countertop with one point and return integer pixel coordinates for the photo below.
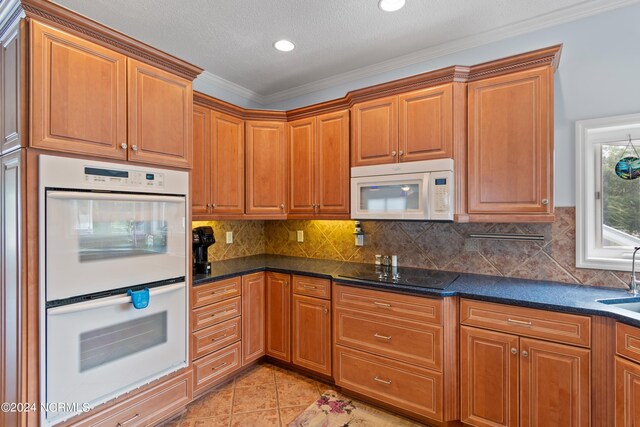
(545, 295)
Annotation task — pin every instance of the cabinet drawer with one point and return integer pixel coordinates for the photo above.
(405, 340)
(549, 325)
(628, 341)
(215, 337)
(389, 304)
(409, 387)
(146, 408)
(312, 286)
(215, 313)
(216, 291)
(216, 366)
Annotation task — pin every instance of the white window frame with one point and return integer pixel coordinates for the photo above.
(590, 135)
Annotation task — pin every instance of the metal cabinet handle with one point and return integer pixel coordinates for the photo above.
(514, 351)
(215, 368)
(213, 205)
(382, 304)
(545, 201)
(401, 153)
(218, 338)
(122, 423)
(281, 205)
(224, 291)
(525, 353)
(393, 153)
(519, 323)
(326, 311)
(286, 283)
(382, 337)
(309, 287)
(380, 380)
(134, 147)
(208, 205)
(218, 313)
(123, 146)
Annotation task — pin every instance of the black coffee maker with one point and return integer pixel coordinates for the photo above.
(202, 239)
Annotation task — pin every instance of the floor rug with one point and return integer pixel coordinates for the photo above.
(335, 410)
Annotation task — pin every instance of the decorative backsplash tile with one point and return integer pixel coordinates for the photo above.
(444, 246)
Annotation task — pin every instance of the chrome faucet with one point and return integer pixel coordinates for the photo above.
(633, 285)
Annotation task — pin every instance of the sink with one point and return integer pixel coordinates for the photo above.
(630, 304)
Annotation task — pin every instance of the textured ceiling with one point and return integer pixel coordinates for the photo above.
(233, 39)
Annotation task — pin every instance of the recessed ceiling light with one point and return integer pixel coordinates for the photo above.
(391, 5)
(284, 45)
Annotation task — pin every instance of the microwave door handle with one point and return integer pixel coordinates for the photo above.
(75, 195)
(426, 195)
(106, 302)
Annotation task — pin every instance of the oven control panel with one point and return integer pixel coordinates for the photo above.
(123, 178)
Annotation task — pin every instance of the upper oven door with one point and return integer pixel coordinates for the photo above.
(101, 241)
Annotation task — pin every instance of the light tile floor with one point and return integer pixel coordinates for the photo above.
(266, 395)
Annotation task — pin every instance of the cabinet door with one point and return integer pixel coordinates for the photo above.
(510, 143)
(201, 172)
(160, 112)
(302, 166)
(227, 140)
(426, 124)
(252, 317)
(555, 384)
(627, 393)
(332, 159)
(78, 95)
(266, 168)
(10, 284)
(11, 88)
(312, 333)
(488, 378)
(279, 316)
(374, 134)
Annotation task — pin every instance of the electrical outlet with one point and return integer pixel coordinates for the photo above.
(359, 239)
(229, 236)
(300, 236)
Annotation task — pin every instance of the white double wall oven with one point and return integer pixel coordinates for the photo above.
(109, 234)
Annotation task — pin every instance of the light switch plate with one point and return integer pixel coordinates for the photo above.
(229, 236)
(300, 236)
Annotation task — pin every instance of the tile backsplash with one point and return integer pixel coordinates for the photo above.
(444, 246)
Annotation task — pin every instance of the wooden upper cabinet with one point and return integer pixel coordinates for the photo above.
(426, 124)
(266, 175)
(227, 141)
(78, 95)
(374, 132)
(302, 165)
(11, 89)
(278, 303)
(201, 172)
(332, 160)
(510, 127)
(160, 113)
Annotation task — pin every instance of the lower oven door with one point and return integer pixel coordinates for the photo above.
(100, 349)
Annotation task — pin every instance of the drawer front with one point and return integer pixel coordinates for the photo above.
(530, 322)
(215, 337)
(405, 340)
(216, 291)
(215, 313)
(409, 387)
(409, 307)
(147, 408)
(312, 286)
(217, 366)
(628, 341)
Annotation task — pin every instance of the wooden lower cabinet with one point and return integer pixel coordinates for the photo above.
(627, 393)
(213, 368)
(278, 316)
(312, 333)
(253, 317)
(508, 380)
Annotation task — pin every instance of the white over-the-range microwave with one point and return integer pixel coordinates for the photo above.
(409, 191)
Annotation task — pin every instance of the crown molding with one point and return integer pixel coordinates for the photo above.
(209, 78)
(10, 12)
(205, 100)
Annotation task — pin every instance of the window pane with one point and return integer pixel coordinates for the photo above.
(620, 201)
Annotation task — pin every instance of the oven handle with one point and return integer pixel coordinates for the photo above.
(109, 301)
(76, 195)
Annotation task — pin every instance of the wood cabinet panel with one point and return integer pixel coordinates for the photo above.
(511, 143)
(333, 168)
(302, 165)
(253, 317)
(550, 325)
(628, 341)
(489, 366)
(266, 174)
(278, 303)
(627, 385)
(216, 291)
(400, 339)
(11, 88)
(312, 333)
(215, 313)
(78, 95)
(201, 172)
(311, 286)
(405, 386)
(227, 177)
(374, 132)
(216, 367)
(555, 384)
(215, 337)
(160, 111)
(426, 124)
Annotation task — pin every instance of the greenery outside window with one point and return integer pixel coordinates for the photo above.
(607, 206)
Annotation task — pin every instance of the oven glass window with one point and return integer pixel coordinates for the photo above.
(388, 198)
(104, 345)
